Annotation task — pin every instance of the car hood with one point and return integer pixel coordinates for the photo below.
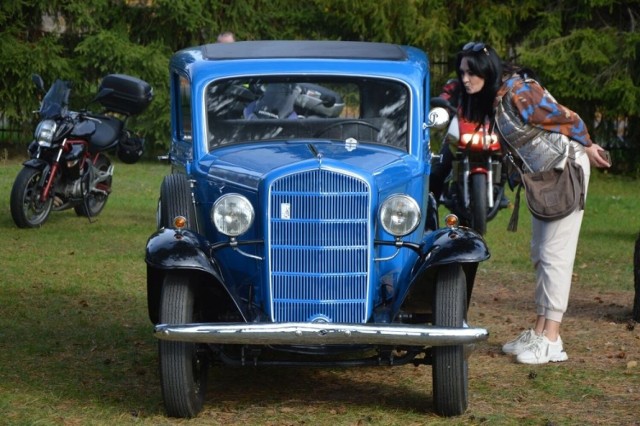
(247, 165)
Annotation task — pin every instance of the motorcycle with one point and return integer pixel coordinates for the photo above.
(68, 165)
(474, 189)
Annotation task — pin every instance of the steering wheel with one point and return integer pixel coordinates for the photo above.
(353, 122)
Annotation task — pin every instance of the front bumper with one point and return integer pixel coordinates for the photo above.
(320, 334)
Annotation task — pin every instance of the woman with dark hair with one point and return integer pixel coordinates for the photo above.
(487, 83)
(480, 73)
(470, 97)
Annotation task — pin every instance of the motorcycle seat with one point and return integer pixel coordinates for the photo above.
(106, 136)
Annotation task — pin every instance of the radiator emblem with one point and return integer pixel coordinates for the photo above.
(285, 211)
(350, 144)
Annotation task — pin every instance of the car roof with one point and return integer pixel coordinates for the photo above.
(320, 49)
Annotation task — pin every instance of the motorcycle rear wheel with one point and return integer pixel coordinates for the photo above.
(94, 202)
(27, 210)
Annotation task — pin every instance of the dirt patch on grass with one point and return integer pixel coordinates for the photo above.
(599, 384)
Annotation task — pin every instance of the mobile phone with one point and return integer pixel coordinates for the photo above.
(605, 154)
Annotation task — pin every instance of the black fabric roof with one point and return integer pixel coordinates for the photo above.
(303, 49)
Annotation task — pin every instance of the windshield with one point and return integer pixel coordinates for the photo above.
(56, 100)
(357, 110)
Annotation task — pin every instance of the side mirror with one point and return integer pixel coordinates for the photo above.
(438, 118)
(37, 80)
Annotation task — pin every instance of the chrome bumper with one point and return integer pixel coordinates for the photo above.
(320, 334)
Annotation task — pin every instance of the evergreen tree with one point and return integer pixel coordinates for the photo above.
(586, 52)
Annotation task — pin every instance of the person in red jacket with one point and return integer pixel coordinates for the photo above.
(470, 97)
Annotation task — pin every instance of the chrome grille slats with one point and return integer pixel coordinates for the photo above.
(319, 247)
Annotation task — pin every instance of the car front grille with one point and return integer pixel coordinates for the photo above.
(318, 246)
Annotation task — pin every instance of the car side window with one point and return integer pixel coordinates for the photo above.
(184, 120)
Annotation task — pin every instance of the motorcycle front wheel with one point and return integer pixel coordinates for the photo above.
(94, 202)
(27, 210)
(479, 202)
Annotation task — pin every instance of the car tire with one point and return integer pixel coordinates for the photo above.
(183, 365)
(175, 200)
(450, 370)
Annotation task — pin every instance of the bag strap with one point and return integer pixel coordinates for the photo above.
(515, 215)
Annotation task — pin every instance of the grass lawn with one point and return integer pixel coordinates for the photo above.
(76, 345)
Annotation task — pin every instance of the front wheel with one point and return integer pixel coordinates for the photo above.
(183, 365)
(450, 370)
(27, 210)
(175, 200)
(479, 202)
(95, 200)
(498, 195)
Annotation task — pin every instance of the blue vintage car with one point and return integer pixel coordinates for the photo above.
(296, 225)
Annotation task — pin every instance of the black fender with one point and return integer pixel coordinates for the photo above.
(172, 249)
(460, 245)
(457, 245)
(169, 250)
(36, 163)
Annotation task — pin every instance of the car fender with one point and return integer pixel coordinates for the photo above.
(456, 245)
(444, 246)
(170, 249)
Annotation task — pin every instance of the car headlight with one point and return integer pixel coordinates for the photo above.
(232, 214)
(45, 131)
(399, 215)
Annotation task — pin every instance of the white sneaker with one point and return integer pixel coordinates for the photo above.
(541, 351)
(517, 345)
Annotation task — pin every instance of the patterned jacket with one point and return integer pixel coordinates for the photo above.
(538, 108)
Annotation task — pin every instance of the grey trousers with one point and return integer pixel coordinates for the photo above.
(553, 252)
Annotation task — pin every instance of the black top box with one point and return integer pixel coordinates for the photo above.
(127, 95)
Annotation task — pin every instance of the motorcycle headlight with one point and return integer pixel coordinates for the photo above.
(232, 214)
(45, 131)
(399, 215)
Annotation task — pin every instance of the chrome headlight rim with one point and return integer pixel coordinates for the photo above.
(45, 132)
(232, 214)
(399, 215)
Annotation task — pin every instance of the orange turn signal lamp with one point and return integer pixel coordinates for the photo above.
(180, 222)
(451, 221)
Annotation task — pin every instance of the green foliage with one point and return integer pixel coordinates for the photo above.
(585, 52)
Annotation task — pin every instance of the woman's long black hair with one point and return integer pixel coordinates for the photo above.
(485, 63)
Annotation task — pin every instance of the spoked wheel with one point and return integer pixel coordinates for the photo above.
(479, 202)
(27, 210)
(95, 201)
(175, 200)
(183, 366)
(450, 370)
